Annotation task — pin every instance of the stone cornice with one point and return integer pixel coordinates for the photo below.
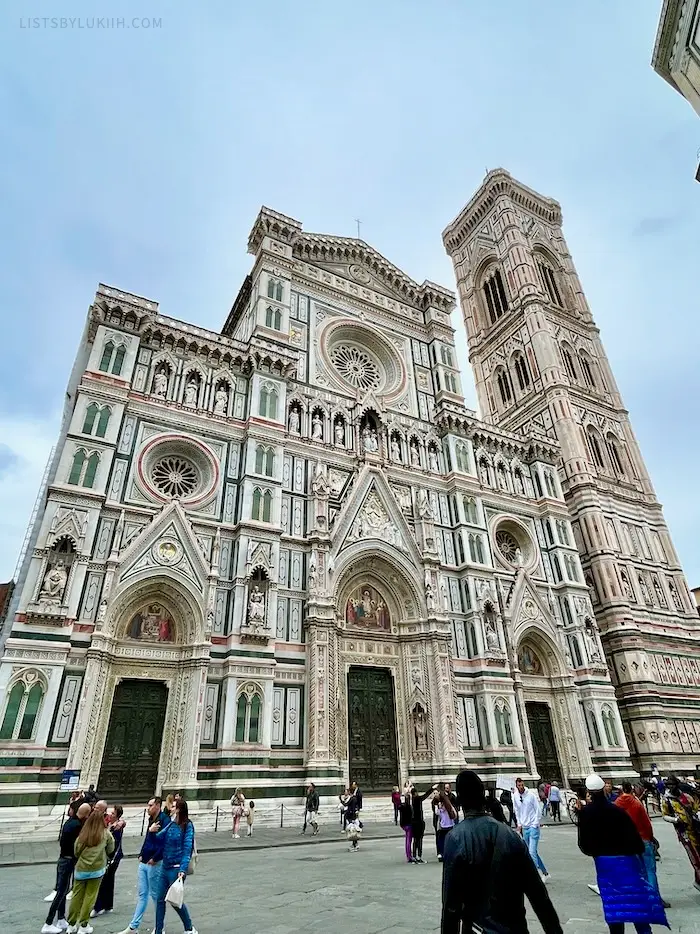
(497, 183)
(666, 38)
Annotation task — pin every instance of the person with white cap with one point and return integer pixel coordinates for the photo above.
(528, 814)
(608, 834)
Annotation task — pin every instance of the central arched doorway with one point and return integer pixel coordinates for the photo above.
(373, 752)
(538, 709)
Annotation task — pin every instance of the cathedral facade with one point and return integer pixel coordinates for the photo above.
(288, 552)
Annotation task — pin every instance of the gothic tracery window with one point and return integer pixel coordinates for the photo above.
(273, 318)
(549, 280)
(262, 505)
(587, 369)
(568, 358)
(610, 726)
(504, 386)
(22, 708)
(595, 448)
(612, 445)
(112, 359)
(495, 295)
(504, 730)
(462, 454)
(274, 289)
(248, 720)
(521, 371)
(264, 460)
(84, 468)
(268, 401)
(96, 420)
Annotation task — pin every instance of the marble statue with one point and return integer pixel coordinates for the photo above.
(433, 460)
(420, 728)
(160, 385)
(220, 402)
(54, 583)
(294, 421)
(395, 448)
(492, 643)
(319, 483)
(317, 428)
(415, 455)
(256, 606)
(370, 441)
(425, 510)
(313, 576)
(191, 390)
(339, 434)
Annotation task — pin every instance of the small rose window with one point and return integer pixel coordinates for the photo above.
(175, 476)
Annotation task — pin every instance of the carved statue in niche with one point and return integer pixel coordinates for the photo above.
(420, 727)
(425, 510)
(256, 606)
(294, 420)
(484, 472)
(414, 454)
(493, 643)
(191, 391)
(220, 401)
(433, 460)
(316, 427)
(339, 433)
(54, 585)
(366, 608)
(313, 571)
(528, 661)
(319, 483)
(395, 449)
(370, 441)
(153, 624)
(160, 385)
(591, 640)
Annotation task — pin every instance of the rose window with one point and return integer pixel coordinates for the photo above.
(175, 477)
(508, 545)
(356, 366)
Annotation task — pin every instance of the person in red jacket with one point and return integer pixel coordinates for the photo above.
(630, 803)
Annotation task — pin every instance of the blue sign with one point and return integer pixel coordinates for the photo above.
(70, 780)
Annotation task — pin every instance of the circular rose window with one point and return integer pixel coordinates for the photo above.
(175, 476)
(362, 359)
(178, 467)
(356, 366)
(508, 545)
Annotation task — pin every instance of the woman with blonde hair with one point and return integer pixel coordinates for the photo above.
(94, 844)
(169, 804)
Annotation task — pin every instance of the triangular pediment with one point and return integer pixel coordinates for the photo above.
(371, 513)
(167, 545)
(526, 608)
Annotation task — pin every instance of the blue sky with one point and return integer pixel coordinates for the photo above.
(140, 157)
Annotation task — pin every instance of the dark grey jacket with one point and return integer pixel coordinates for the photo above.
(487, 872)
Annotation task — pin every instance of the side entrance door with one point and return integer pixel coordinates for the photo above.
(372, 729)
(539, 719)
(130, 762)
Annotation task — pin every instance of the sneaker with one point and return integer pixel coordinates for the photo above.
(545, 876)
(50, 897)
(86, 929)
(594, 888)
(69, 895)
(315, 832)
(129, 931)
(51, 929)
(62, 924)
(439, 858)
(192, 931)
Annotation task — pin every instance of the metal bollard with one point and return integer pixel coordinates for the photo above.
(216, 820)
(281, 816)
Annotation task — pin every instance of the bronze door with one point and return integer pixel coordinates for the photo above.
(372, 729)
(130, 762)
(539, 719)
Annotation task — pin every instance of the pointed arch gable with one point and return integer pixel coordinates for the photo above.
(186, 611)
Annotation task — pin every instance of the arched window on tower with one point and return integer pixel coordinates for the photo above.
(610, 726)
(587, 369)
(274, 289)
(594, 445)
(470, 513)
(504, 386)
(273, 318)
(591, 726)
(462, 454)
(613, 448)
(268, 401)
(483, 723)
(495, 295)
(522, 371)
(264, 460)
(549, 281)
(567, 355)
(262, 505)
(84, 468)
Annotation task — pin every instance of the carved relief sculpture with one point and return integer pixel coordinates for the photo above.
(160, 385)
(54, 583)
(220, 401)
(256, 608)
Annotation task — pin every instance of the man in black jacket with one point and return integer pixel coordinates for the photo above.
(311, 810)
(487, 871)
(66, 864)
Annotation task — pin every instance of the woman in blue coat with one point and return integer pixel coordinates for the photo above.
(178, 844)
(609, 835)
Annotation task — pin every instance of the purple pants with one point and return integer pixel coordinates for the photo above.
(408, 831)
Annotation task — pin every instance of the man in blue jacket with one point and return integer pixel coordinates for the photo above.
(608, 834)
(150, 859)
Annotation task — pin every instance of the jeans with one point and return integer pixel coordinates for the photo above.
(148, 882)
(649, 858)
(640, 928)
(440, 838)
(167, 877)
(64, 875)
(531, 836)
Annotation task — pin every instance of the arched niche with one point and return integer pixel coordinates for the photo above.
(386, 575)
(156, 600)
(538, 655)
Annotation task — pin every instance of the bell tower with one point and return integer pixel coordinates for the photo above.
(540, 368)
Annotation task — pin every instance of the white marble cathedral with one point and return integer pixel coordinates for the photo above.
(288, 552)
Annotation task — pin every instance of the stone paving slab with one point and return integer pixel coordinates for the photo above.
(324, 888)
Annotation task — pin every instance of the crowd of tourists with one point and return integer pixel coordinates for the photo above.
(90, 851)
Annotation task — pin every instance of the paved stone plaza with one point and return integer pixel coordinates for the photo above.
(320, 886)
